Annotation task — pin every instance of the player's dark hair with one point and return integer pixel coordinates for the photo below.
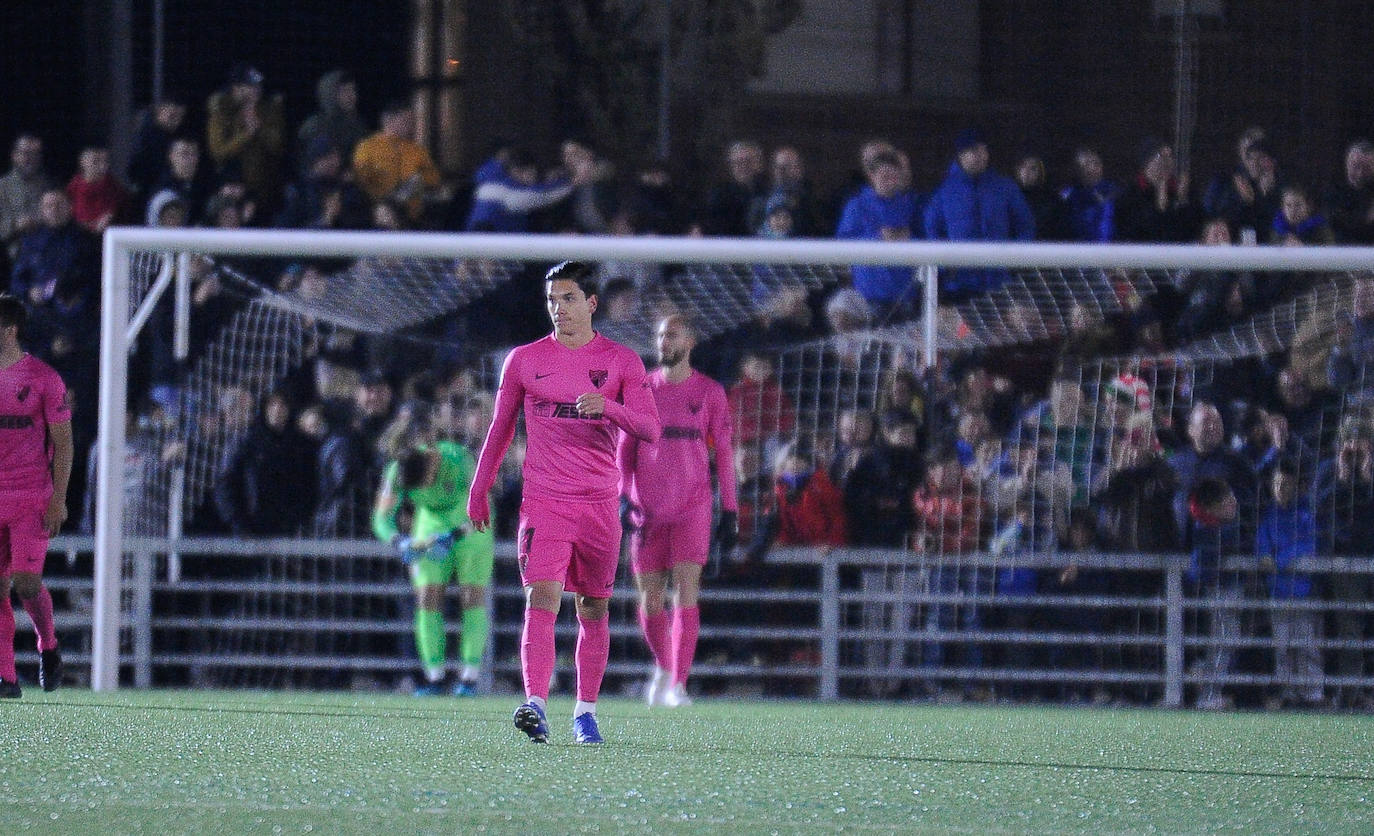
(412, 469)
(12, 312)
(581, 272)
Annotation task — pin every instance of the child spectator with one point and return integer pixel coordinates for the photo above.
(1215, 536)
(98, 198)
(1288, 533)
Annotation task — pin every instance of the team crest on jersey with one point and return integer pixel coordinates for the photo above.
(598, 376)
(22, 393)
(694, 408)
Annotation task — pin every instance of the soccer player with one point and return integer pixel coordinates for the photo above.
(668, 487)
(441, 545)
(35, 465)
(578, 389)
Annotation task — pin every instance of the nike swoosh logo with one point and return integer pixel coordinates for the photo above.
(542, 376)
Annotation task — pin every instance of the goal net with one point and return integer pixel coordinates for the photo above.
(996, 426)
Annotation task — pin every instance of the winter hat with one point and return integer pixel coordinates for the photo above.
(968, 138)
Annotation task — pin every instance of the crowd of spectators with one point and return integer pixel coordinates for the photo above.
(1035, 448)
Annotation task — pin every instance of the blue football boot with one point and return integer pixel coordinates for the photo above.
(585, 730)
(529, 718)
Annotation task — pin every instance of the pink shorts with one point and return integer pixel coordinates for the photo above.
(662, 542)
(574, 543)
(23, 539)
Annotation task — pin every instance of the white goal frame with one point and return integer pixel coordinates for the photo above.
(119, 328)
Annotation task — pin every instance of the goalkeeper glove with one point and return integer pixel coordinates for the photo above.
(727, 532)
(631, 515)
(406, 547)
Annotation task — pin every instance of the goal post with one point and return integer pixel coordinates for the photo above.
(120, 318)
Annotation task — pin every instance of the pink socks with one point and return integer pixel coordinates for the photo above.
(536, 651)
(593, 649)
(686, 625)
(655, 629)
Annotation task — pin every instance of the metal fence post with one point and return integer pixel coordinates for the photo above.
(142, 592)
(830, 628)
(1173, 633)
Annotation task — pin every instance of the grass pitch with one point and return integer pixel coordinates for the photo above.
(231, 762)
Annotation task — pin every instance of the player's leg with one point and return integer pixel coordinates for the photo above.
(686, 626)
(592, 576)
(544, 549)
(474, 555)
(9, 679)
(591, 656)
(431, 638)
(692, 541)
(653, 622)
(28, 550)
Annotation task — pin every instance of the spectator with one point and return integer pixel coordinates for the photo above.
(1345, 525)
(761, 412)
(1090, 203)
(323, 198)
(389, 165)
(335, 121)
(98, 198)
(727, 204)
(1215, 536)
(246, 136)
(1354, 347)
(21, 190)
(884, 210)
(1206, 457)
(184, 177)
(949, 520)
(266, 484)
(594, 200)
(1047, 210)
(157, 126)
(878, 487)
(809, 510)
(975, 203)
(788, 188)
(1135, 502)
(1288, 534)
(1157, 208)
(57, 248)
(1297, 223)
(508, 190)
(1350, 201)
(1247, 196)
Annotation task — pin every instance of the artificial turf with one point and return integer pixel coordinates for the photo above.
(294, 762)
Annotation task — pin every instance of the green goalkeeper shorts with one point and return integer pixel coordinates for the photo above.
(469, 561)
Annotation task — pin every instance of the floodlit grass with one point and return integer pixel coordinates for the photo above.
(215, 762)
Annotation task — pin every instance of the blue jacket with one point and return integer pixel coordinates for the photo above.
(1210, 545)
(864, 217)
(989, 207)
(1092, 210)
(1286, 535)
(500, 203)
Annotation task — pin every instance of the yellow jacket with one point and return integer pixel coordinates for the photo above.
(382, 163)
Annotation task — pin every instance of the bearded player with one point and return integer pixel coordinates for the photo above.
(35, 465)
(667, 484)
(578, 390)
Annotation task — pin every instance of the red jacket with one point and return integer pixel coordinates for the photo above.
(815, 516)
(759, 410)
(91, 201)
(950, 523)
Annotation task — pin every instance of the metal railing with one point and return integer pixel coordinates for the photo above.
(811, 623)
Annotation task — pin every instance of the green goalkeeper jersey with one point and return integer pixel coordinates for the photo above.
(439, 507)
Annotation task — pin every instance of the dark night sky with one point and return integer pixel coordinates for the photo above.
(45, 69)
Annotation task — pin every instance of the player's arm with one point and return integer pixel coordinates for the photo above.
(385, 507)
(509, 396)
(638, 414)
(60, 434)
(722, 442)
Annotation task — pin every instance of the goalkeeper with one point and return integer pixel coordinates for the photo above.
(442, 543)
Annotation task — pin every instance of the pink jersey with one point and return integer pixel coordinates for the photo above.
(32, 396)
(674, 473)
(568, 458)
